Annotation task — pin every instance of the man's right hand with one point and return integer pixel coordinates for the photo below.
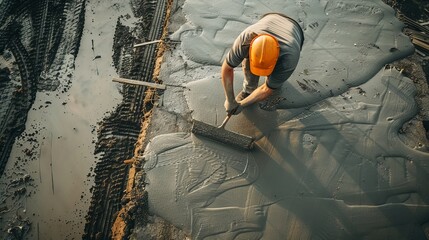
(232, 107)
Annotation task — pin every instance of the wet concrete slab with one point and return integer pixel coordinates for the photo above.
(328, 163)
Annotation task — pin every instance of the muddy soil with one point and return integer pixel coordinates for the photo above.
(30, 34)
(26, 53)
(30, 37)
(119, 132)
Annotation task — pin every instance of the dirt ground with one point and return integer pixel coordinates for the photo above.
(23, 75)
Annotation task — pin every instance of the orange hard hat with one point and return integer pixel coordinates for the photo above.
(263, 54)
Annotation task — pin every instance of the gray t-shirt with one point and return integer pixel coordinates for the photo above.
(290, 37)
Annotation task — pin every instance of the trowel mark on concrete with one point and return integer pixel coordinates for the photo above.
(364, 136)
(337, 171)
(333, 169)
(191, 182)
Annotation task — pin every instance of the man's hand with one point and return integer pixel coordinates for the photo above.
(232, 107)
(261, 93)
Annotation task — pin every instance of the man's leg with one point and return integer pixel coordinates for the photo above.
(250, 82)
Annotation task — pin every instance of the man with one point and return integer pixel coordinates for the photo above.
(271, 47)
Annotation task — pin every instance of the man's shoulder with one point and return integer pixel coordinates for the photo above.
(247, 36)
(269, 18)
(274, 14)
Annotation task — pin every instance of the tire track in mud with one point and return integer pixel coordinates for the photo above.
(13, 123)
(29, 28)
(34, 47)
(118, 133)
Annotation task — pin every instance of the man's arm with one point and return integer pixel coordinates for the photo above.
(227, 74)
(261, 93)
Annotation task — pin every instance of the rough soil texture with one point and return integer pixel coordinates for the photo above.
(119, 132)
(133, 220)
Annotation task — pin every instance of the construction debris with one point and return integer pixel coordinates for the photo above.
(418, 32)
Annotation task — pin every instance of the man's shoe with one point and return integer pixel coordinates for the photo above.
(241, 95)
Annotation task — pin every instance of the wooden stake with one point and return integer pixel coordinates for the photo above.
(129, 161)
(147, 43)
(420, 44)
(141, 83)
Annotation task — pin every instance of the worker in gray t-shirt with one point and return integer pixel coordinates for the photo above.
(271, 48)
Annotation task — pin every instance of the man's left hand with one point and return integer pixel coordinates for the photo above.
(232, 107)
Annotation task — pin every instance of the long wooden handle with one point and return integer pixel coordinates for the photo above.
(225, 121)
